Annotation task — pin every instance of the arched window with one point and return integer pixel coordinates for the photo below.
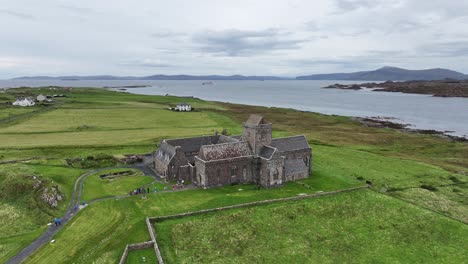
(234, 171)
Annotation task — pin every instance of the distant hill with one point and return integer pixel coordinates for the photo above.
(389, 74)
(382, 74)
(154, 77)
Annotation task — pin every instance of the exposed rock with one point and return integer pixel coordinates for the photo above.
(440, 88)
(52, 196)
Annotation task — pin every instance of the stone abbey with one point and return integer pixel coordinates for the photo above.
(253, 157)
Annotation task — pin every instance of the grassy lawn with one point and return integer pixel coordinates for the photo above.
(142, 256)
(96, 121)
(94, 187)
(6, 112)
(330, 174)
(357, 227)
(23, 214)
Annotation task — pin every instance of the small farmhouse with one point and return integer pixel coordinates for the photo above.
(41, 98)
(253, 157)
(24, 102)
(183, 107)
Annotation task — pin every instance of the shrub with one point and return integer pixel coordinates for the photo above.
(454, 179)
(428, 187)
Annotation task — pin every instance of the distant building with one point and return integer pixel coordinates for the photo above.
(253, 157)
(41, 98)
(183, 107)
(24, 102)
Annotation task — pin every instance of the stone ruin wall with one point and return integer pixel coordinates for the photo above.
(218, 173)
(268, 170)
(301, 155)
(258, 136)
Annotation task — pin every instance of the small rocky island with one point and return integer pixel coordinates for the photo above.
(439, 88)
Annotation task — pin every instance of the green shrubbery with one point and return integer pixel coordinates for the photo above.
(93, 161)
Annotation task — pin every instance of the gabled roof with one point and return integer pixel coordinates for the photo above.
(165, 152)
(255, 120)
(294, 166)
(192, 144)
(224, 151)
(290, 143)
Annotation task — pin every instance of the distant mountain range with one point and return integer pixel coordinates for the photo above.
(155, 77)
(382, 74)
(389, 74)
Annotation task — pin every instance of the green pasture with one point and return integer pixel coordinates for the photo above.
(423, 170)
(357, 227)
(95, 187)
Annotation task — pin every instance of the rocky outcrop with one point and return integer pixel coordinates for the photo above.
(52, 196)
(440, 88)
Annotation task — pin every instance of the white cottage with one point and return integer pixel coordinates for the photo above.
(24, 102)
(41, 98)
(183, 107)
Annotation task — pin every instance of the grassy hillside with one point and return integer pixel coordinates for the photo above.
(427, 171)
(357, 227)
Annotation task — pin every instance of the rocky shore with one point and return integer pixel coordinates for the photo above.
(387, 122)
(439, 88)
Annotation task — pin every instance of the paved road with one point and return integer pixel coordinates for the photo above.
(71, 211)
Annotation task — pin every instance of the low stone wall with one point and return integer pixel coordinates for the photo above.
(131, 247)
(299, 197)
(151, 220)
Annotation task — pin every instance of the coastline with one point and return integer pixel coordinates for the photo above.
(375, 122)
(436, 88)
(379, 122)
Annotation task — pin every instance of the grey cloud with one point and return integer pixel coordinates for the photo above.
(350, 5)
(17, 14)
(241, 43)
(145, 63)
(77, 9)
(446, 49)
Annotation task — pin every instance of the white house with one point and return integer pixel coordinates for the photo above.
(24, 102)
(183, 107)
(41, 98)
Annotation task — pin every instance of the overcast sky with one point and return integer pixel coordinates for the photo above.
(250, 37)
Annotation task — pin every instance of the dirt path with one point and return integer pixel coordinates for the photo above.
(75, 201)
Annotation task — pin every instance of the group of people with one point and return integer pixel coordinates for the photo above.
(57, 221)
(141, 190)
(179, 185)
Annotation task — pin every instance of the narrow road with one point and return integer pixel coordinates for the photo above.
(75, 200)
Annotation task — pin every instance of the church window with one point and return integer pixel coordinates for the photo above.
(233, 171)
(276, 174)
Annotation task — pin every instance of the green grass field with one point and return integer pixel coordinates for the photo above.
(94, 187)
(358, 227)
(423, 170)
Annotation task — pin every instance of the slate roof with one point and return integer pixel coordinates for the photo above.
(193, 144)
(290, 143)
(267, 152)
(255, 120)
(224, 151)
(165, 152)
(226, 139)
(294, 166)
(238, 137)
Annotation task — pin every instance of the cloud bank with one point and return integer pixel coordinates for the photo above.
(284, 37)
